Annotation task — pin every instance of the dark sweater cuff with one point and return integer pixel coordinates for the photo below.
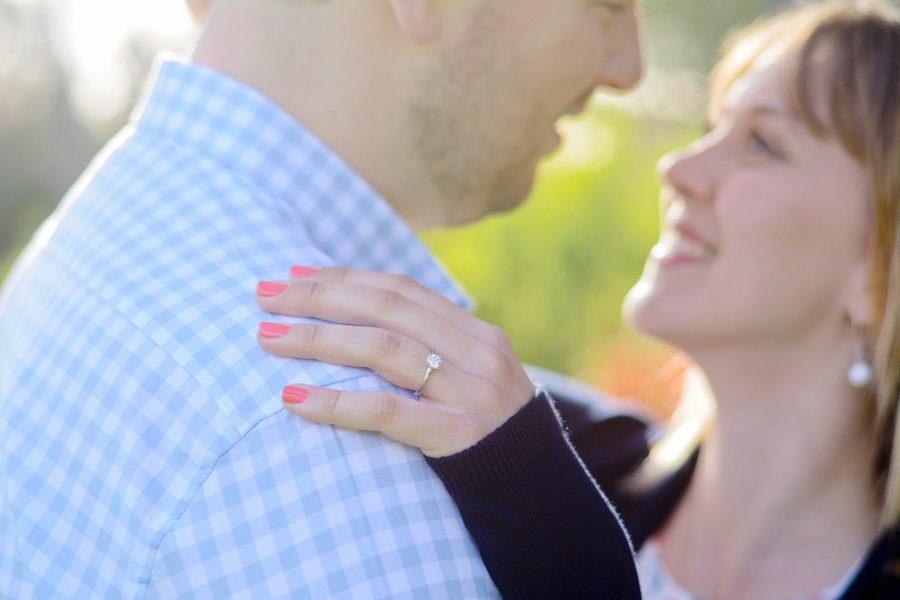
(505, 452)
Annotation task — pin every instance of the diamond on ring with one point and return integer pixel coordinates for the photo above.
(432, 363)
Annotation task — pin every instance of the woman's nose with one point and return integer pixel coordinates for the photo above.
(688, 172)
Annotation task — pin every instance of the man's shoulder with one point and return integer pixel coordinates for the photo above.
(107, 421)
(166, 261)
(139, 413)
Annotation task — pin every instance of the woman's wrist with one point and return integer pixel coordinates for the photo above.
(504, 453)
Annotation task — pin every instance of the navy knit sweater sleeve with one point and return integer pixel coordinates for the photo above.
(543, 527)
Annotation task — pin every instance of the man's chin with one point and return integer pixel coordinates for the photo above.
(500, 198)
(507, 200)
(460, 218)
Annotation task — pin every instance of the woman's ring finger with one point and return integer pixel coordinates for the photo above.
(433, 362)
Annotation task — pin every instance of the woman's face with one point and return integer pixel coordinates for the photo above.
(764, 228)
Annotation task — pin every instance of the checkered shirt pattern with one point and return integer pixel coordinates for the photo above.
(145, 449)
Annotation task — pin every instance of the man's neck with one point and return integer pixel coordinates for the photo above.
(335, 86)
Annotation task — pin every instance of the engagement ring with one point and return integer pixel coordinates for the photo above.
(432, 363)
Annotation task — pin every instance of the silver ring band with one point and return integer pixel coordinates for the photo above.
(432, 363)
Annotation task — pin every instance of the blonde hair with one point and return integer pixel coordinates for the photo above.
(862, 82)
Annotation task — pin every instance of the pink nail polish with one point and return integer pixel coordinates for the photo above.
(294, 395)
(302, 272)
(273, 330)
(269, 289)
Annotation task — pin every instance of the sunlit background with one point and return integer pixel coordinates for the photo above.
(553, 274)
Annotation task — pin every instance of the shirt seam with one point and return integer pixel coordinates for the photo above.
(200, 484)
(89, 287)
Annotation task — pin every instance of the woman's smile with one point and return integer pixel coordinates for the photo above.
(681, 246)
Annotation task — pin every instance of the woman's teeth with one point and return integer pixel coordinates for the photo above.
(673, 244)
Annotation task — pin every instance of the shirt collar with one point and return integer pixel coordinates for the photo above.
(247, 133)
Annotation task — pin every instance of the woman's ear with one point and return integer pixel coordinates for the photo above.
(198, 8)
(859, 297)
(419, 20)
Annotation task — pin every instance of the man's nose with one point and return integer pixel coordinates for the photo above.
(624, 62)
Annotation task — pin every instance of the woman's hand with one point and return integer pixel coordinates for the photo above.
(390, 324)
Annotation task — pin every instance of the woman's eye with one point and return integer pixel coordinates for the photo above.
(759, 144)
(612, 8)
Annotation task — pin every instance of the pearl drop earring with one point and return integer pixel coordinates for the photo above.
(860, 372)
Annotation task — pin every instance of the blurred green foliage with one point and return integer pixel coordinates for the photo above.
(24, 223)
(6, 264)
(554, 272)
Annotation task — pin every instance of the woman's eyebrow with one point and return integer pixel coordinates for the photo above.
(765, 110)
(775, 111)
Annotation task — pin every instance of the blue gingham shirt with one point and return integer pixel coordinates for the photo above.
(145, 449)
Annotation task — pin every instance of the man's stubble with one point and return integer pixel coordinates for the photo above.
(474, 124)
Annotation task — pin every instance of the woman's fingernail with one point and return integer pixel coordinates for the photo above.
(273, 330)
(268, 289)
(302, 272)
(294, 395)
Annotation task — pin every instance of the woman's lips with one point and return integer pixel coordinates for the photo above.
(680, 245)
